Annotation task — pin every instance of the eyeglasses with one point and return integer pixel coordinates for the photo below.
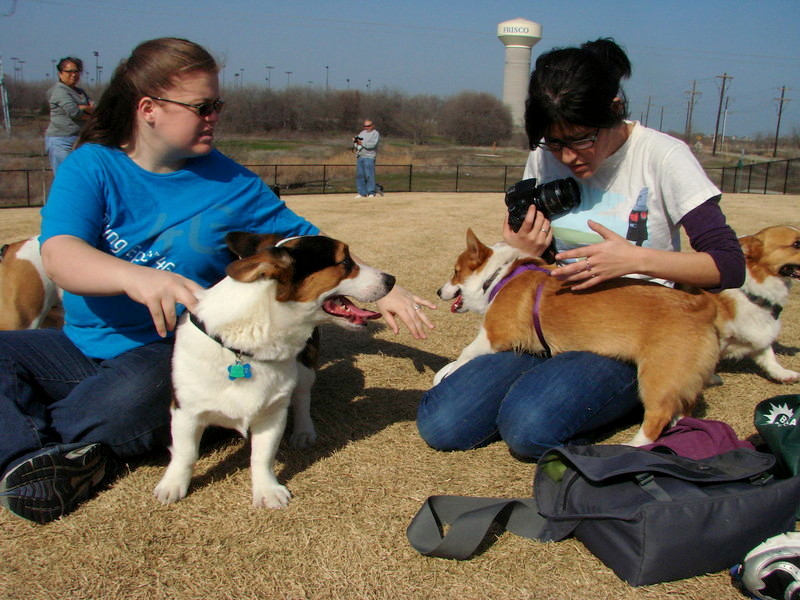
(204, 109)
(70, 71)
(370, 125)
(556, 145)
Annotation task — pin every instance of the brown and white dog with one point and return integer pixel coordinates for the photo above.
(750, 315)
(627, 319)
(235, 358)
(28, 298)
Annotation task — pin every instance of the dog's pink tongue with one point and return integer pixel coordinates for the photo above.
(457, 303)
(339, 306)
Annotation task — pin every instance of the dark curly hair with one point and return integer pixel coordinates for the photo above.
(577, 86)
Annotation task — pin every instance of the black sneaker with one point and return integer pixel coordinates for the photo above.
(52, 484)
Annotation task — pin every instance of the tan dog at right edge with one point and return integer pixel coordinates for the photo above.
(750, 315)
(669, 334)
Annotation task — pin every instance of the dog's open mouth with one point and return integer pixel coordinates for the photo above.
(340, 306)
(790, 270)
(457, 303)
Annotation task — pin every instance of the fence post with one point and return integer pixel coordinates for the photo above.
(786, 176)
(410, 176)
(766, 177)
(457, 173)
(324, 178)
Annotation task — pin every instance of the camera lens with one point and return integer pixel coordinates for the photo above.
(558, 197)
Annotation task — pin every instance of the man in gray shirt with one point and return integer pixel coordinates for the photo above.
(366, 145)
(70, 107)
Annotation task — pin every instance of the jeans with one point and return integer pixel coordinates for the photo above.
(58, 148)
(52, 395)
(365, 176)
(532, 403)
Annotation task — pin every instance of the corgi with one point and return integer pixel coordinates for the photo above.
(526, 309)
(28, 297)
(235, 357)
(751, 314)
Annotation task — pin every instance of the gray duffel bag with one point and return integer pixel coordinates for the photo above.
(650, 517)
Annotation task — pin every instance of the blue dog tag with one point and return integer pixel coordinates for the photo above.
(239, 371)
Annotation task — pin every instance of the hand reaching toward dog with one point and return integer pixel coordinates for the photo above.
(408, 307)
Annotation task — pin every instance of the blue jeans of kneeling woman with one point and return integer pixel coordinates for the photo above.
(54, 397)
(532, 403)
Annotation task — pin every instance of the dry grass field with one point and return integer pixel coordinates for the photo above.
(343, 535)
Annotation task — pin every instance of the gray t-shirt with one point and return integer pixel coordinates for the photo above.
(64, 112)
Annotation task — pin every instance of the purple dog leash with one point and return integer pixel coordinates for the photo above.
(537, 322)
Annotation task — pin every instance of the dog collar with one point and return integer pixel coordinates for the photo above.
(774, 309)
(537, 320)
(236, 370)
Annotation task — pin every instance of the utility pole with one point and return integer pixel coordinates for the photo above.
(690, 110)
(724, 78)
(269, 77)
(724, 124)
(647, 115)
(781, 101)
(4, 102)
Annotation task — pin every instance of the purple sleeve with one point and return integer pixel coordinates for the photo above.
(708, 232)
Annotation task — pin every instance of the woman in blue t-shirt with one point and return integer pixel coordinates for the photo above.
(133, 228)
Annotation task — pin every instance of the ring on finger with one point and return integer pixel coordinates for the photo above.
(417, 307)
(545, 230)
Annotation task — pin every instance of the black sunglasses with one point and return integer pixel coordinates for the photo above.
(204, 109)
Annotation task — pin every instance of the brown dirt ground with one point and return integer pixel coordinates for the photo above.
(343, 535)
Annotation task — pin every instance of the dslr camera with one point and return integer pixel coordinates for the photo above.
(551, 199)
(356, 139)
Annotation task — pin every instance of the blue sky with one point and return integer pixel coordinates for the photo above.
(442, 47)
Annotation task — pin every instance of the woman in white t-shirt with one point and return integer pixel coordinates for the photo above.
(637, 188)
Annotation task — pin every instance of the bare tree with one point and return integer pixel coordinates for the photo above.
(476, 119)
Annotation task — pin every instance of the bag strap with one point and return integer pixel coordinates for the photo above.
(470, 519)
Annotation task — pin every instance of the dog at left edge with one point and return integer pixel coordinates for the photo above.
(28, 298)
(235, 359)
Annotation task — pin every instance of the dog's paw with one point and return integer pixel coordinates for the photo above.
(714, 381)
(782, 375)
(303, 438)
(443, 372)
(170, 491)
(640, 439)
(276, 496)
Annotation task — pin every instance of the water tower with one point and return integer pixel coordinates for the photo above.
(518, 36)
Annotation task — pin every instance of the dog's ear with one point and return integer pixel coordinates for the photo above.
(244, 244)
(272, 263)
(752, 247)
(478, 251)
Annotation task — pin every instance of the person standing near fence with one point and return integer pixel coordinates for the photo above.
(70, 107)
(366, 147)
